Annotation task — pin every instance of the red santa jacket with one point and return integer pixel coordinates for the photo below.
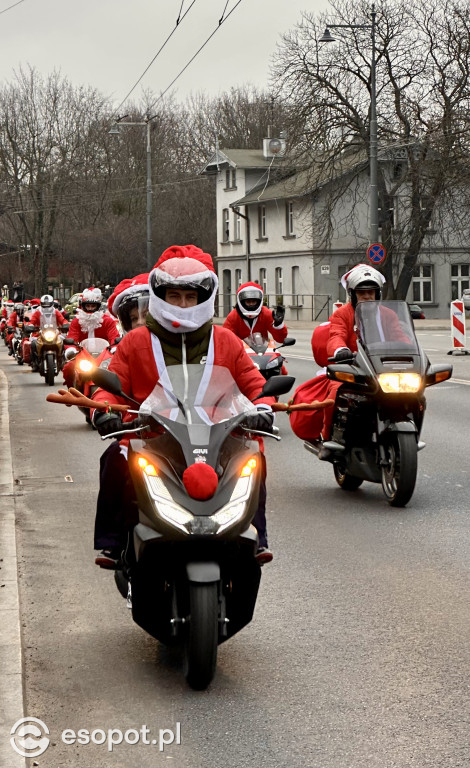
(262, 324)
(342, 332)
(107, 330)
(36, 318)
(135, 364)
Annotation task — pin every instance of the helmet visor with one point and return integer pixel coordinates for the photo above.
(132, 311)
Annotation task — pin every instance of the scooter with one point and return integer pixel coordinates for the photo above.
(189, 572)
(379, 407)
(265, 354)
(82, 359)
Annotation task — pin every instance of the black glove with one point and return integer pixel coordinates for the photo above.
(278, 314)
(107, 423)
(262, 421)
(343, 354)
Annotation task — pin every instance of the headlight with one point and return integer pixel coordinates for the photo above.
(399, 382)
(274, 363)
(86, 366)
(231, 512)
(164, 504)
(49, 335)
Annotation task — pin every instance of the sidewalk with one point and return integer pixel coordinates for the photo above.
(11, 672)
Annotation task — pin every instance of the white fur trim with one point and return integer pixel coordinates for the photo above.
(89, 323)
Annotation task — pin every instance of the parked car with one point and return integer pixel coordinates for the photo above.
(72, 304)
(466, 298)
(416, 312)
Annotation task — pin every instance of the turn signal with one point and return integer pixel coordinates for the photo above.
(148, 468)
(249, 468)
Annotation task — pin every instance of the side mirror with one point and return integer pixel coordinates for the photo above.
(108, 380)
(70, 341)
(288, 342)
(71, 353)
(276, 385)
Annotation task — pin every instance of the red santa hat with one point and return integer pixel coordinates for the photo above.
(185, 267)
(126, 288)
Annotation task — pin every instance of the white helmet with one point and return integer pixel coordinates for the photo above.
(91, 300)
(47, 301)
(251, 293)
(362, 276)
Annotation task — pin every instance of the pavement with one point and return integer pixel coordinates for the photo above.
(11, 663)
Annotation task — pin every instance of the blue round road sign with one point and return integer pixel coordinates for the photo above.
(376, 253)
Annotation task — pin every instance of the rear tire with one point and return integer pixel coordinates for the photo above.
(49, 365)
(202, 635)
(345, 481)
(399, 475)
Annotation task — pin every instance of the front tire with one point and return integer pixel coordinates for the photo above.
(345, 481)
(399, 474)
(49, 369)
(202, 635)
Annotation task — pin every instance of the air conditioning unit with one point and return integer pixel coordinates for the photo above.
(274, 147)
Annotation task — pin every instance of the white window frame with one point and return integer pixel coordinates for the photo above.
(263, 280)
(238, 279)
(421, 281)
(459, 281)
(290, 219)
(262, 230)
(237, 226)
(278, 281)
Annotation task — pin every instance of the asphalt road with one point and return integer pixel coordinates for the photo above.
(357, 657)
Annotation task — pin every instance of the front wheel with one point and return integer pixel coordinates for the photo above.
(399, 472)
(50, 369)
(202, 635)
(345, 481)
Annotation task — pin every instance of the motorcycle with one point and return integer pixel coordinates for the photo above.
(265, 354)
(189, 572)
(17, 345)
(49, 347)
(379, 408)
(84, 358)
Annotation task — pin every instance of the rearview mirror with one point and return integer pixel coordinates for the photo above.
(276, 385)
(108, 380)
(288, 341)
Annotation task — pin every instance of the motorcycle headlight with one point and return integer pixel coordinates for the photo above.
(274, 363)
(49, 335)
(168, 509)
(234, 510)
(86, 366)
(399, 382)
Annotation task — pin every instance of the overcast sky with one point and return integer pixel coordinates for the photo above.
(108, 43)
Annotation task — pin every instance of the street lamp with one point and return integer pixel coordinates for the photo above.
(115, 131)
(374, 197)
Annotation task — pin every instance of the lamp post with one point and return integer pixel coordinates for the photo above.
(374, 196)
(115, 131)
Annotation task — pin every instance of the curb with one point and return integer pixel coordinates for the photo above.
(11, 662)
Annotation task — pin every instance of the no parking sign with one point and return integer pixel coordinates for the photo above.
(376, 253)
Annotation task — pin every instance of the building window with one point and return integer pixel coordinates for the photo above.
(460, 279)
(238, 279)
(426, 205)
(237, 226)
(422, 284)
(289, 219)
(263, 281)
(225, 225)
(262, 222)
(296, 300)
(231, 178)
(389, 215)
(278, 279)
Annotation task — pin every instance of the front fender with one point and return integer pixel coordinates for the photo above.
(203, 573)
(399, 426)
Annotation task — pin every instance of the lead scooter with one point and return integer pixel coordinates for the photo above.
(189, 571)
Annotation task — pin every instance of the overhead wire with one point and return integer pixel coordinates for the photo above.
(222, 19)
(11, 6)
(178, 22)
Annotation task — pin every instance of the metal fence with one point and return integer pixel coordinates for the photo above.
(305, 306)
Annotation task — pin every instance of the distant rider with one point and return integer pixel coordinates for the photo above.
(250, 316)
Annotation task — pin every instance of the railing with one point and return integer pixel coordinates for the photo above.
(299, 306)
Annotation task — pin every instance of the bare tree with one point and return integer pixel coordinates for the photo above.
(423, 87)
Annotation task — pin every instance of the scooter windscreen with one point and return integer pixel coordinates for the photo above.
(385, 328)
(198, 405)
(257, 342)
(94, 346)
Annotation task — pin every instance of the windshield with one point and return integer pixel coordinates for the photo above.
(386, 327)
(257, 342)
(94, 346)
(48, 317)
(196, 394)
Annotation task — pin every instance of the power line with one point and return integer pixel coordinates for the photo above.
(178, 22)
(221, 21)
(11, 6)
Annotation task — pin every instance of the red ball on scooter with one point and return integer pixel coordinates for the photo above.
(200, 481)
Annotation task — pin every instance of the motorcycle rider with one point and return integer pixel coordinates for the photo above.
(15, 318)
(250, 315)
(183, 286)
(90, 322)
(46, 303)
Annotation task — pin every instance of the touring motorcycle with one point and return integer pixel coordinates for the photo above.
(379, 408)
(189, 572)
(50, 346)
(265, 354)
